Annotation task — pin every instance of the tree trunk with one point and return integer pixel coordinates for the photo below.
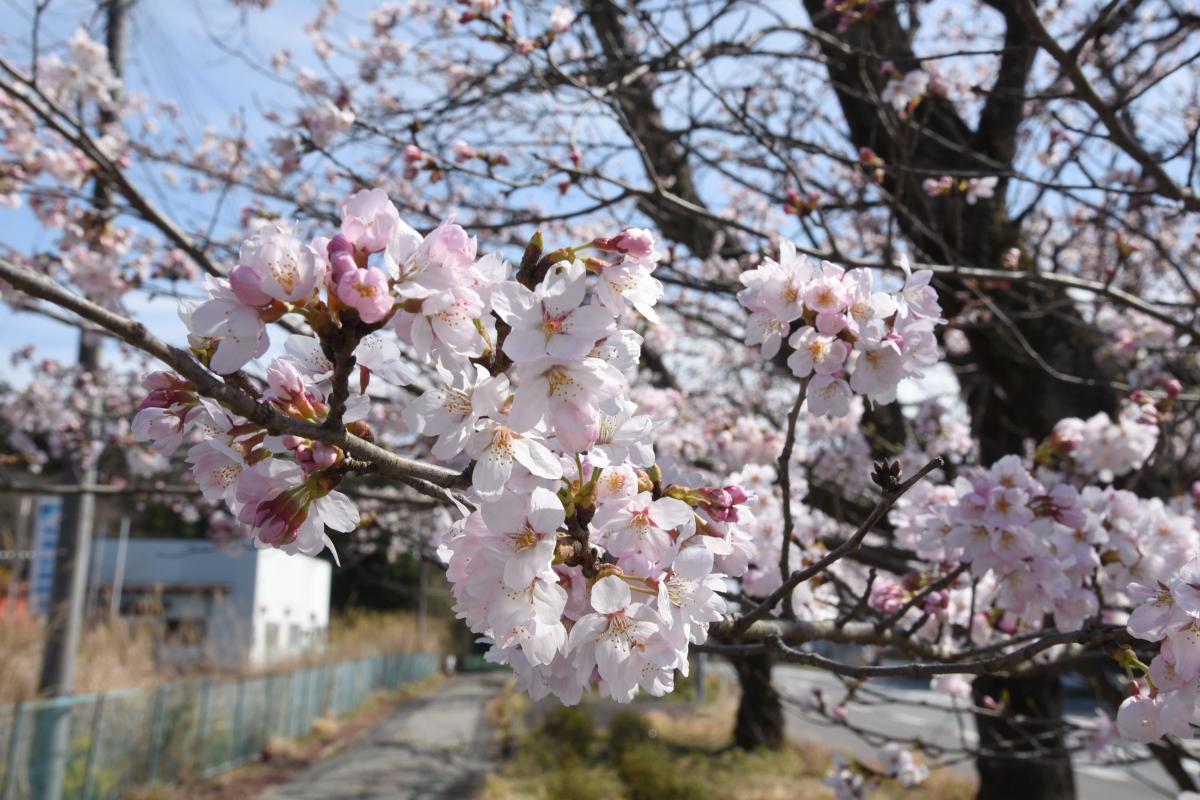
(1022, 752)
(760, 712)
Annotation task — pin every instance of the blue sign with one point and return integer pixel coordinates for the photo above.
(47, 519)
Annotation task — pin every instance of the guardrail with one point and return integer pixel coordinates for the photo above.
(185, 730)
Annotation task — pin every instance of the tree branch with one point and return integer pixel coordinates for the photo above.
(426, 478)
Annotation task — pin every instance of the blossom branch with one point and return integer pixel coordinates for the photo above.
(785, 480)
(58, 119)
(848, 547)
(947, 579)
(781, 638)
(425, 478)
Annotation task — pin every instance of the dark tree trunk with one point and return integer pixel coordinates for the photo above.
(760, 712)
(1022, 751)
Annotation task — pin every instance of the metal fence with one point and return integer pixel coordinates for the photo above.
(180, 731)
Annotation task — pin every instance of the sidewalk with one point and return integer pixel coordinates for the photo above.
(437, 748)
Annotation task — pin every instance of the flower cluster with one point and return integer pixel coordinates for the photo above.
(904, 93)
(1104, 448)
(578, 559)
(1033, 543)
(1168, 611)
(846, 336)
(971, 189)
(1041, 548)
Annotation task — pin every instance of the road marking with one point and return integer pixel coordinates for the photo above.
(1108, 774)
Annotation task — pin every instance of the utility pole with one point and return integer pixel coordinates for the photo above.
(20, 537)
(118, 584)
(64, 619)
(422, 597)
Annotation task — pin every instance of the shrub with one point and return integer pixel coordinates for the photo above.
(651, 771)
(577, 782)
(569, 729)
(627, 729)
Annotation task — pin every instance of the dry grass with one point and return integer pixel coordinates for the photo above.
(119, 654)
(669, 753)
(709, 726)
(112, 655)
(354, 634)
(506, 714)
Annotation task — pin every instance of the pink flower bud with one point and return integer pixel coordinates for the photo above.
(341, 257)
(413, 154)
(304, 455)
(462, 151)
(245, 283)
(160, 379)
(285, 380)
(635, 242)
(324, 456)
(937, 601)
(737, 494)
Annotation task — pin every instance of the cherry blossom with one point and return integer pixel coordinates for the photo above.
(642, 526)
(568, 396)
(614, 636)
(860, 341)
(451, 412)
(366, 291)
(497, 447)
(551, 321)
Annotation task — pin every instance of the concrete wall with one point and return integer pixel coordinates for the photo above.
(291, 605)
(240, 592)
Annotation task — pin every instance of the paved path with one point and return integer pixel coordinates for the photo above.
(435, 748)
(1145, 781)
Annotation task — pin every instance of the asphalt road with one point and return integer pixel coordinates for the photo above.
(947, 729)
(436, 748)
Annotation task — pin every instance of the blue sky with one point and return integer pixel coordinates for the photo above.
(179, 50)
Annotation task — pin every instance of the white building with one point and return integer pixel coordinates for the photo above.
(225, 606)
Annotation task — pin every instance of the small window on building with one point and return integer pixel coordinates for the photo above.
(272, 635)
(295, 635)
(186, 631)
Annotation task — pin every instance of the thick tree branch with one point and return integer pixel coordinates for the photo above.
(426, 478)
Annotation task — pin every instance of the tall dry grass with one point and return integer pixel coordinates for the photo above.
(119, 654)
(356, 633)
(112, 655)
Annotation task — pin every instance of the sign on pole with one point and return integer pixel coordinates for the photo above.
(46, 521)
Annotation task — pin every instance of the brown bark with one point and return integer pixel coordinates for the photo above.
(759, 722)
(1022, 750)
